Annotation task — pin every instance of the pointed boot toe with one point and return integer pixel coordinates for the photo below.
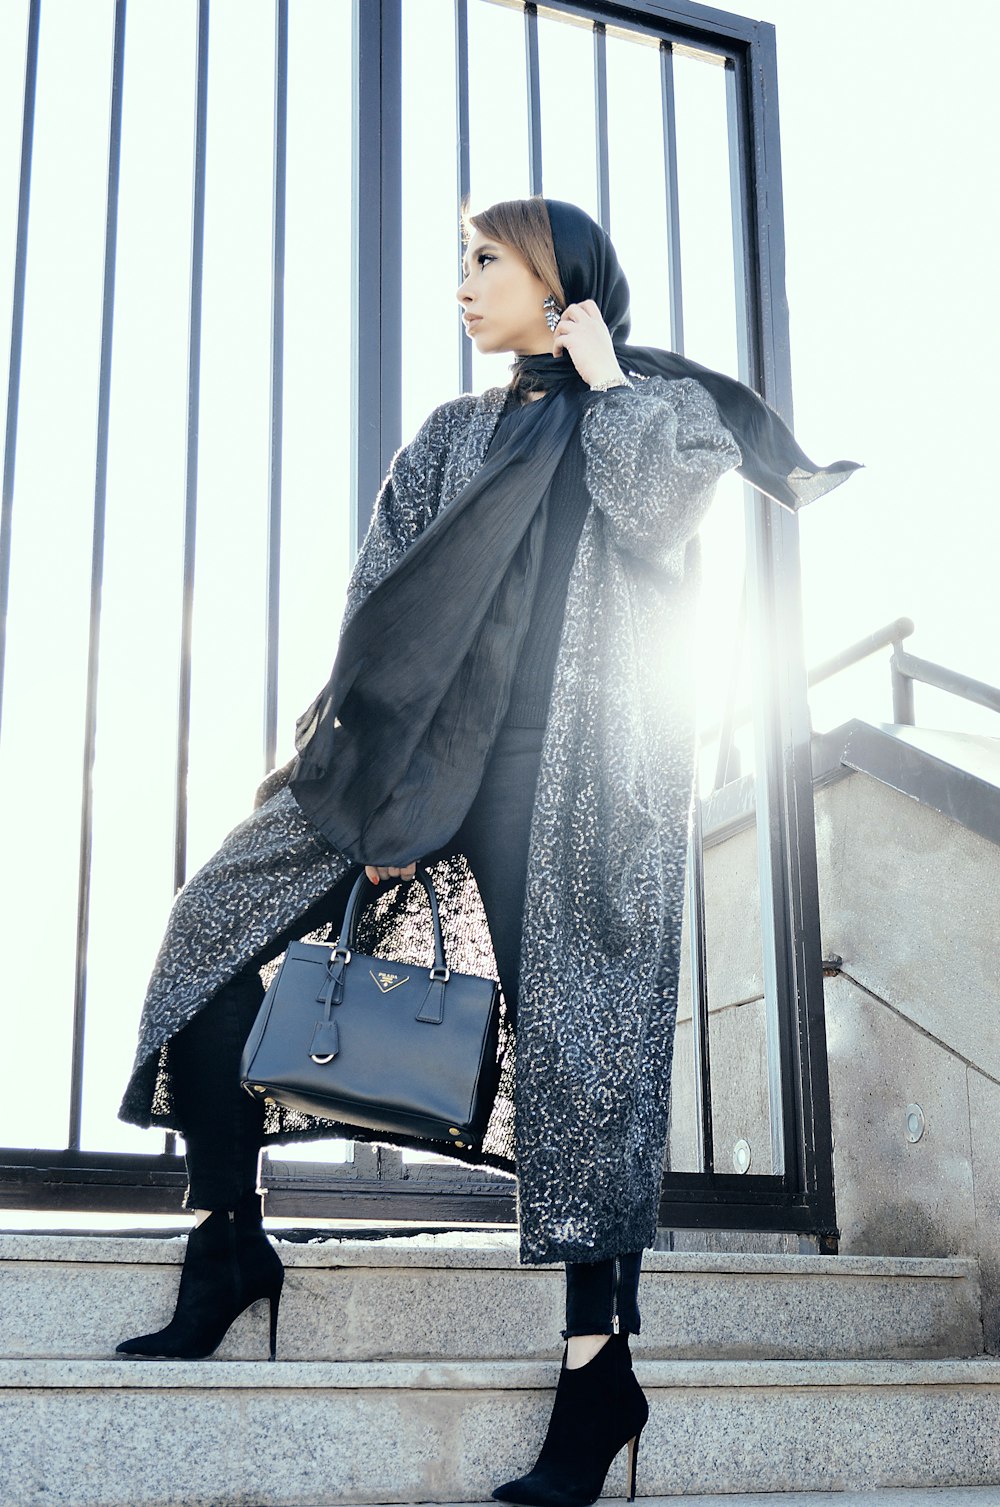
(513, 1491)
(528, 1492)
(142, 1344)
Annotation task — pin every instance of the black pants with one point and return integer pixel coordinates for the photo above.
(223, 1126)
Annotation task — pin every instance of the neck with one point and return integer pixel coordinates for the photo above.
(536, 373)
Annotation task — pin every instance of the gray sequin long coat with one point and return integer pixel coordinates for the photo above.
(581, 1115)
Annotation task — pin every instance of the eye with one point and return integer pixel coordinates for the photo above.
(484, 254)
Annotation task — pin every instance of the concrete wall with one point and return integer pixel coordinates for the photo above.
(910, 900)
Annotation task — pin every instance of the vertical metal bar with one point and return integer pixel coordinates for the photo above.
(17, 325)
(366, 217)
(463, 165)
(277, 385)
(741, 189)
(601, 134)
(376, 252)
(191, 446)
(392, 231)
(96, 582)
(701, 1055)
(801, 1132)
(534, 99)
(701, 1058)
(668, 114)
(728, 763)
(759, 587)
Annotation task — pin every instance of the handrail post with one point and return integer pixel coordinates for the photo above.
(902, 690)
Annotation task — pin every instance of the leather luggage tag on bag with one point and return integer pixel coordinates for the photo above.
(326, 1039)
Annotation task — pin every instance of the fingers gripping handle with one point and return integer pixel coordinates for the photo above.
(348, 929)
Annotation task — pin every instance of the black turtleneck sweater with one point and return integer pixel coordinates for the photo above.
(568, 504)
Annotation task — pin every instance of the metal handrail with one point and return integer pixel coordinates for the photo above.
(728, 763)
(893, 633)
(904, 669)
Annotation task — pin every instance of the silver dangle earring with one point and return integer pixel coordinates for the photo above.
(553, 312)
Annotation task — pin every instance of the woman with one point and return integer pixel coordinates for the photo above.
(512, 703)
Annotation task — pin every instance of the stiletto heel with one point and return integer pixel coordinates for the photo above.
(228, 1265)
(633, 1454)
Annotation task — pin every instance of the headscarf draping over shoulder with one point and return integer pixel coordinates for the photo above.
(391, 752)
(589, 268)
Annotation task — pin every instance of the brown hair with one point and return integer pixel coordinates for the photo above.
(523, 224)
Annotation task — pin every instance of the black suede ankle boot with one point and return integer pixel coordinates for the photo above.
(229, 1264)
(598, 1407)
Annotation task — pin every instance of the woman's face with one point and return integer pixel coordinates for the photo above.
(506, 296)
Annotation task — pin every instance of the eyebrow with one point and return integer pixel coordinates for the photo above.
(486, 246)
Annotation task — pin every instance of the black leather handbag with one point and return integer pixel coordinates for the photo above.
(378, 1043)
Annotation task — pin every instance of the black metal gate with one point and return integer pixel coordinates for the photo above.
(796, 1194)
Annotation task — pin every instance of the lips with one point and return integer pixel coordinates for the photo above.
(470, 319)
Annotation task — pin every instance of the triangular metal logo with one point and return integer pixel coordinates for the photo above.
(388, 981)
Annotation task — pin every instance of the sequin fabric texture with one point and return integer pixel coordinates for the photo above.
(581, 1115)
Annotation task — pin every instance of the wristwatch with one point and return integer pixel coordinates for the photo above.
(620, 381)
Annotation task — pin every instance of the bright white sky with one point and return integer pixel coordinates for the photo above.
(889, 149)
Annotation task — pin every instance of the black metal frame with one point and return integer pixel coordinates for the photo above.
(799, 1196)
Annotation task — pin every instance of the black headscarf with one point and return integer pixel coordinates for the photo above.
(589, 268)
(392, 750)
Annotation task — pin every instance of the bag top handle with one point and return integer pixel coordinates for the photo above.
(350, 914)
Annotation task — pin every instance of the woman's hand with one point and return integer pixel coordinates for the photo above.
(581, 331)
(376, 871)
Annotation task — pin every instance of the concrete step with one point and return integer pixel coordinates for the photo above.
(299, 1434)
(945, 1496)
(407, 1298)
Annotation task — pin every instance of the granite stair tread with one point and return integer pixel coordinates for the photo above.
(299, 1434)
(947, 1496)
(497, 1252)
(406, 1300)
(422, 1371)
(478, 1375)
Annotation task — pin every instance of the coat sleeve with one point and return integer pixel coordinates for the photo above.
(405, 504)
(653, 456)
(402, 511)
(407, 501)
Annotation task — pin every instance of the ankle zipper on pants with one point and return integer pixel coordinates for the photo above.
(616, 1287)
